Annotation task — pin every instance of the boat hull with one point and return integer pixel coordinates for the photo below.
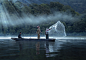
(24, 39)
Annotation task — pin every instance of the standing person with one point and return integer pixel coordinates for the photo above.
(19, 36)
(47, 33)
(38, 32)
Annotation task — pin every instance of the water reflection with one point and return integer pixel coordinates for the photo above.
(38, 48)
(73, 50)
(47, 49)
(43, 50)
(20, 46)
(52, 48)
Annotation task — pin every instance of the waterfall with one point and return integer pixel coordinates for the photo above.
(58, 29)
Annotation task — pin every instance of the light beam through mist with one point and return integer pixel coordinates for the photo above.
(7, 20)
(14, 20)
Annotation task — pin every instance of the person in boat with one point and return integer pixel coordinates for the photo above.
(47, 33)
(19, 36)
(38, 32)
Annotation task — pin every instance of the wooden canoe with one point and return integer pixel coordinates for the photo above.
(25, 39)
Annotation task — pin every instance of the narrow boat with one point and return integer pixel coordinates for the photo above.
(25, 39)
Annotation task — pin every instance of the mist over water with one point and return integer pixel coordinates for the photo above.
(8, 20)
(13, 20)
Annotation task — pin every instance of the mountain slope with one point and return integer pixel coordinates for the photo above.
(77, 5)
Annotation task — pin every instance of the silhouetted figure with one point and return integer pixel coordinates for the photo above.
(38, 32)
(19, 36)
(47, 33)
(2, 28)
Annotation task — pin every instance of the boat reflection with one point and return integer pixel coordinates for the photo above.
(49, 49)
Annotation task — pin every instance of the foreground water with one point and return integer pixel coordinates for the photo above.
(70, 48)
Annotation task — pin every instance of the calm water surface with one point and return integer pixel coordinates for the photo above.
(65, 49)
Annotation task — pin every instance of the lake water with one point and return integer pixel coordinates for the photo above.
(64, 48)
